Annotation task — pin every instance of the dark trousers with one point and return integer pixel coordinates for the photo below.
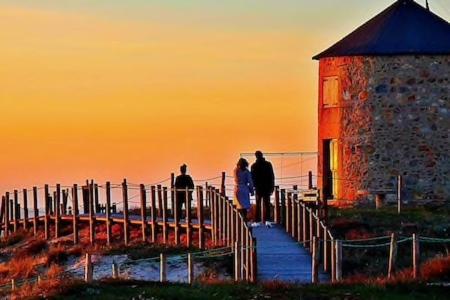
(262, 201)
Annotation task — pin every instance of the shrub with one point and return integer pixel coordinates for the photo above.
(33, 248)
(19, 268)
(13, 238)
(56, 255)
(436, 268)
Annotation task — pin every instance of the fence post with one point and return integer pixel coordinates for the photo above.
(57, 210)
(311, 228)
(75, 213)
(143, 212)
(160, 201)
(234, 219)
(333, 260)
(227, 221)
(294, 213)
(282, 206)
(190, 265)
(35, 211)
(392, 255)
(115, 270)
(96, 203)
(399, 194)
(276, 209)
(126, 233)
(416, 255)
(219, 219)
(153, 213)
(66, 199)
(162, 268)
(16, 210)
(200, 217)
(299, 222)
(187, 218)
(325, 249)
(13, 285)
(237, 262)
(46, 217)
(88, 270)
(213, 215)
(338, 260)
(7, 214)
(288, 212)
(177, 213)
(172, 193)
(25, 208)
(108, 213)
(223, 213)
(315, 260)
(164, 216)
(305, 226)
(91, 212)
(310, 185)
(222, 185)
(2, 214)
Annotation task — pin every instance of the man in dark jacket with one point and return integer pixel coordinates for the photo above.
(264, 182)
(183, 182)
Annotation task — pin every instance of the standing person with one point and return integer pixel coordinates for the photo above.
(183, 182)
(243, 187)
(264, 180)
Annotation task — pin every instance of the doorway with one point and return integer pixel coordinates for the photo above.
(330, 167)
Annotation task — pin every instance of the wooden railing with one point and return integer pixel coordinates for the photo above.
(305, 221)
(156, 212)
(229, 228)
(152, 212)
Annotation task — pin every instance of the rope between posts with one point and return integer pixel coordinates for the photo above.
(433, 240)
(376, 245)
(368, 239)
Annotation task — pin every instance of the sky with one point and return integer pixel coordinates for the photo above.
(114, 89)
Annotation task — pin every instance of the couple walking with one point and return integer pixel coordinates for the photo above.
(261, 180)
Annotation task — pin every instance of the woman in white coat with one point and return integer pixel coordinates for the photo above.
(243, 187)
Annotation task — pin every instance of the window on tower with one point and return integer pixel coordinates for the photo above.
(330, 91)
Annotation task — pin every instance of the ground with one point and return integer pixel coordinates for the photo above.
(140, 290)
(366, 223)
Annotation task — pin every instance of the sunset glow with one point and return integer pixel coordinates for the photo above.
(108, 91)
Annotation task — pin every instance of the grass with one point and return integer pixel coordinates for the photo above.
(141, 290)
(366, 222)
(13, 238)
(362, 222)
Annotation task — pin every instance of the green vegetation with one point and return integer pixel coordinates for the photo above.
(360, 222)
(363, 223)
(141, 290)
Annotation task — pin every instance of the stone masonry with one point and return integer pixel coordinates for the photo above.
(394, 119)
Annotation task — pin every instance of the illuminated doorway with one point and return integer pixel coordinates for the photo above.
(331, 164)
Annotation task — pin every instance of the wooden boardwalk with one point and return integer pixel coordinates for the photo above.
(281, 258)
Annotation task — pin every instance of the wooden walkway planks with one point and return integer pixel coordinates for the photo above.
(281, 258)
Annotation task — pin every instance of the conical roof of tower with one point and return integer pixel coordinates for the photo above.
(404, 28)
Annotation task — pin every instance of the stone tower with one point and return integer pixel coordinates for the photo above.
(384, 108)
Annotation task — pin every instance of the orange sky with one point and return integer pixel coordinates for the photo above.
(111, 93)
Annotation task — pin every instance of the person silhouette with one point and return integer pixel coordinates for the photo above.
(183, 182)
(243, 187)
(264, 181)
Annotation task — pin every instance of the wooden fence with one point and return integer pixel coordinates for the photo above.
(230, 228)
(303, 216)
(158, 212)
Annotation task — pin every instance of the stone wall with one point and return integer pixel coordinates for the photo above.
(395, 120)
